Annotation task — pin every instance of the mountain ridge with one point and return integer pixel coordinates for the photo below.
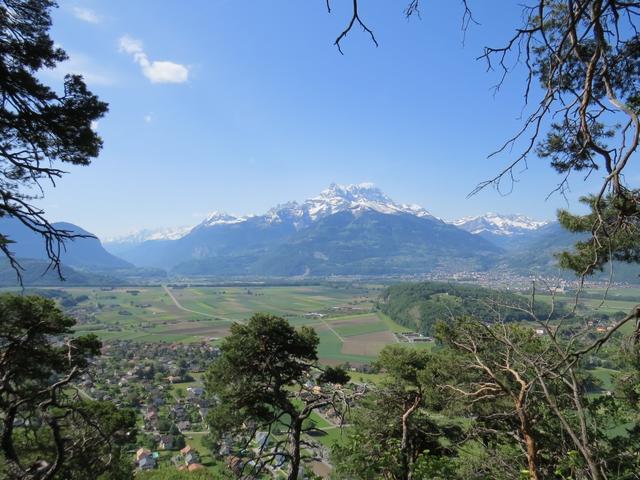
(84, 251)
(346, 229)
(336, 198)
(499, 224)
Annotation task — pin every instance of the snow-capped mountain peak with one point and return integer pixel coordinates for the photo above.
(355, 192)
(499, 224)
(220, 218)
(136, 237)
(357, 197)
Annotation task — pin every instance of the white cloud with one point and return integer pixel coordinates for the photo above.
(94, 125)
(131, 45)
(86, 15)
(156, 71)
(148, 118)
(166, 72)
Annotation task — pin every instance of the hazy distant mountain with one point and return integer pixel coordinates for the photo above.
(347, 229)
(535, 252)
(505, 230)
(499, 224)
(353, 230)
(122, 243)
(81, 252)
(37, 273)
(530, 245)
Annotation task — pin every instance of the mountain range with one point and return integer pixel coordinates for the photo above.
(345, 230)
(506, 231)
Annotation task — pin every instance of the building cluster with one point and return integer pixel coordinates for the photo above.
(413, 337)
(160, 383)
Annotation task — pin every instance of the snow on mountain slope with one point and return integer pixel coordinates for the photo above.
(356, 198)
(362, 196)
(346, 229)
(336, 198)
(220, 218)
(173, 233)
(499, 224)
(134, 238)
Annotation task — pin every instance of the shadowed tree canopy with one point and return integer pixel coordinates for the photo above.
(47, 430)
(40, 127)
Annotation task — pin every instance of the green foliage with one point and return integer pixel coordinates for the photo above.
(583, 74)
(253, 381)
(174, 474)
(374, 444)
(363, 457)
(420, 306)
(164, 425)
(38, 126)
(435, 467)
(42, 419)
(106, 431)
(30, 359)
(179, 442)
(336, 375)
(259, 362)
(480, 400)
(402, 365)
(614, 224)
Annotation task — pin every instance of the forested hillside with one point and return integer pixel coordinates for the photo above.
(421, 305)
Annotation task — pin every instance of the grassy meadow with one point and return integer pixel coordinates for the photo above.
(349, 328)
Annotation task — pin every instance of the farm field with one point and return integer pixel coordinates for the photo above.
(343, 316)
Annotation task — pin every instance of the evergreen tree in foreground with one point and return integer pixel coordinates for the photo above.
(49, 430)
(40, 126)
(265, 387)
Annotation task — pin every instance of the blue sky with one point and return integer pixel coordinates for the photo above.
(239, 106)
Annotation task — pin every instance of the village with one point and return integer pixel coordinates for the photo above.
(163, 384)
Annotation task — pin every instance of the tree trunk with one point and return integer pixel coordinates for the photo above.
(294, 440)
(6, 442)
(404, 445)
(532, 460)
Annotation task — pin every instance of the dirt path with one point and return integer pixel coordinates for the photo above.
(334, 332)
